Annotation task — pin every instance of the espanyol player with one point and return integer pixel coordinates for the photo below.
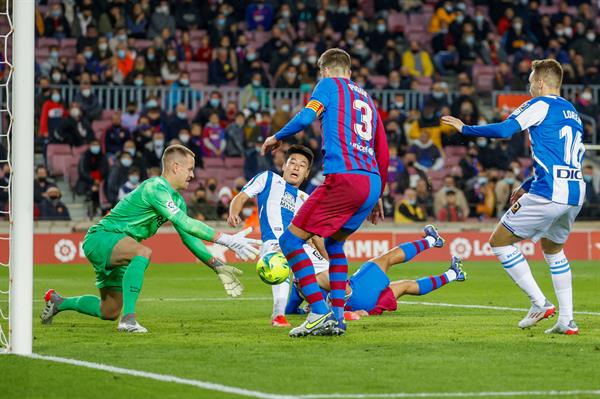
(278, 201)
(356, 159)
(546, 204)
(370, 291)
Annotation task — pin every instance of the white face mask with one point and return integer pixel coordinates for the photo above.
(247, 212)
(587, 96)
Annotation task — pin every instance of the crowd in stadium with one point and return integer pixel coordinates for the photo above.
(434, 174)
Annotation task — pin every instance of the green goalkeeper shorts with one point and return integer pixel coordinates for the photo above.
(97, 247)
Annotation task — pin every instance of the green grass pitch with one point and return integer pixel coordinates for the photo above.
(197, 333)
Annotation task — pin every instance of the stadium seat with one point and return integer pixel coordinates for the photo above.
(236, 163)
(58, 155)
(397, 22)
(455, 151)
(379, 81)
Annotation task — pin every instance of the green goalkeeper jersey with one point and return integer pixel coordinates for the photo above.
(141, 212)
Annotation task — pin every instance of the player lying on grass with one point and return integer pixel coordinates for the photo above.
(370, 292)
(278, 201)
(113, 246)
(546, 204)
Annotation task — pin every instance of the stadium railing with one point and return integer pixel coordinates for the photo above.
(117, 97)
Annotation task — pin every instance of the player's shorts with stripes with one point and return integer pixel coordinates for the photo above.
(534, 217)
(370, 290)
(344, 200)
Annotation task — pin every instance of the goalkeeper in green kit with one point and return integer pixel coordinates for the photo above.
(113, 246)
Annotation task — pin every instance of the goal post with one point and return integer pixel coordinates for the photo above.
(22, 162)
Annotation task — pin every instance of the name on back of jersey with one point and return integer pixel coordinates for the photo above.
(568, 114)
(357, 89)
(288, 202)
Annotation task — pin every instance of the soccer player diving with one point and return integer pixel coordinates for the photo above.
(113, 246)
(370, 292)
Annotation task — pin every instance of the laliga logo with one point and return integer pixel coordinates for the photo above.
(461, 247)
(65, 250)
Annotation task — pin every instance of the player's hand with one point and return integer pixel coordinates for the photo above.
(516, 194)
(229, 277)
(234, 220)
(243, 247)
(377, 214)
(454, 122)
(270, 144)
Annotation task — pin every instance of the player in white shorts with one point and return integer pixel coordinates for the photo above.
(545, 206)
(278, 201)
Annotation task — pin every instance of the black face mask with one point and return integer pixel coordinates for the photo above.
(212, 187)
(239, 188)
(42, 179)
(201, 200)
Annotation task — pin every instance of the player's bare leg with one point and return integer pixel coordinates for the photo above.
(515, 264)
(128, 252)
(560, 271)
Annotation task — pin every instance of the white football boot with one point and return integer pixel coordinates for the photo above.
(537, 313)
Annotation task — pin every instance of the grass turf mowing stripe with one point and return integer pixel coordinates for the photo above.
(442, 304)
(162, 377)
(263, 395)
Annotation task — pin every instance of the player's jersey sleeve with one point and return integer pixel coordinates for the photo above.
(530, 113)
(159, 197)
(382, 152)
(256, 185)
(195, 245)
(317, 104)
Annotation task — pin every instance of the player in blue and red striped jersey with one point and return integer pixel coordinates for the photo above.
(356, 159)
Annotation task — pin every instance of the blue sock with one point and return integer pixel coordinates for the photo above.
(338, 275)
(432, 283)
(304, 271)
(412, 249)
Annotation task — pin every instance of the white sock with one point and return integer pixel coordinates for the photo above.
(430, 240)
(518, 269)
(450, 275)
(561, 279)
(280, 296)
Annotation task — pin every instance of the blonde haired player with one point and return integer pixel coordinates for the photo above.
(545, 205)
(113, 246)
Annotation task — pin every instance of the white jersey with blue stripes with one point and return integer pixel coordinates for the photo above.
(556, 134)
(278, 202)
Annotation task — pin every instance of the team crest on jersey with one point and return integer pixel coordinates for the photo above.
(515, 207)
(288, 202)
(522, 108)
(172, 207)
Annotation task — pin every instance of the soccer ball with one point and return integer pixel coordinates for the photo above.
(273, 268)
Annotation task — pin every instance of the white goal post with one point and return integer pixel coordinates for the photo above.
(22, 160)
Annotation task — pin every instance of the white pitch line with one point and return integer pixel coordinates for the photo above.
(211, 386)
(450, 394)
(466, 306)
(264, 395)
(266, 298)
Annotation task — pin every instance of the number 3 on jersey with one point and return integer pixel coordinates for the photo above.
(574, 149)
(364, 129)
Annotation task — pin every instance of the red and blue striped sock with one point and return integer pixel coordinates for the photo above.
(432, 283)
(412, 249)
(304, 271)
(338, 275)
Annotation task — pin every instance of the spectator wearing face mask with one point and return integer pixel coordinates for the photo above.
(428, 156)
(87, 100)
(213, 105)
(41, 183)
(443, 14)
(212, 195)
(234, 137)
(93, 169)
(51, 207)
(587, 46)
(585, 103)
(169, 70)
(259, 16)
(180, 90)
(440, 200)
(199, 208)
(504, 189)
(223, 69)
(281, 116)
(74, 129)
(160, 19)
(481, 194)
(51, 63)
(213, 138)
(176, 121)
(52, 114)
(117, 176)
(55, 23)
(129, 120)
(517, 36)
(115, 136)
(137, 158)
(133, 181)
(154, 149)
(289, 79)
(417, 61)
(408, 210)
(254, 90)
(137, 23)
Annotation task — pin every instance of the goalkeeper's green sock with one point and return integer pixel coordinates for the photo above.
(133, 279)
(86, 304)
